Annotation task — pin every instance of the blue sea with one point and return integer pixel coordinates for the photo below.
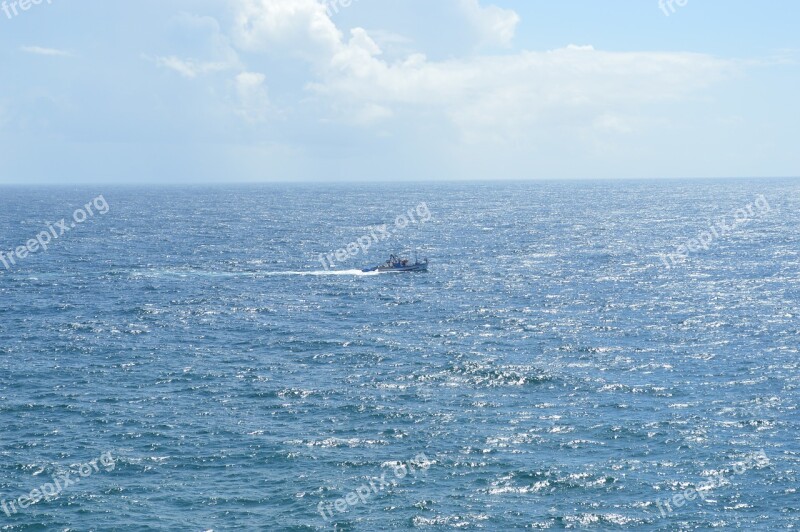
(606, 355)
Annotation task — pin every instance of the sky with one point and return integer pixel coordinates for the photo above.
(246, 91)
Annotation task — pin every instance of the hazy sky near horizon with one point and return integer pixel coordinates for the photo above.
(199, 91)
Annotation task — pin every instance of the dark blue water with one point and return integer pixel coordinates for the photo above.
(550, 368)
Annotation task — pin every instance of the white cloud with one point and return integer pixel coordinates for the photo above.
(371, 114)
(254, 104)
(190, 68)
(503, 95)
(301, 27)
(495, 26)
(39, 50)
(206, 33)
(389, 38)
(614, 123)
(485, 97)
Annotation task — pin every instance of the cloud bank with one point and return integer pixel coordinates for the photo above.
(485, 96)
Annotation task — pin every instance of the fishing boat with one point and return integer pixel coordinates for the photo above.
(399, 264)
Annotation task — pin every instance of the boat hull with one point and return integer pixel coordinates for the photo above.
(421, 267)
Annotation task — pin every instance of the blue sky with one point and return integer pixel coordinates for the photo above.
(202, 91)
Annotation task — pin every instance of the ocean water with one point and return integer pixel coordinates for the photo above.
(552, 370)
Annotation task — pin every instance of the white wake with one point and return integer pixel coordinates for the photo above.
(199, 273)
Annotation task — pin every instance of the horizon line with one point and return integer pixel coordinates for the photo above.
(365, 182)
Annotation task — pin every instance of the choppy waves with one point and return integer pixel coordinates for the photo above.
(552, 371)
